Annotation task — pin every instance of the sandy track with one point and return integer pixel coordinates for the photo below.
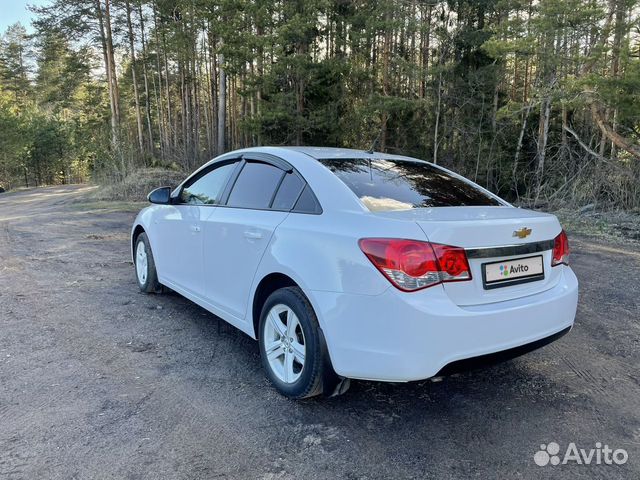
(100, 381)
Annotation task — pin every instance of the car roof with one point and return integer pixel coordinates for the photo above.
(334, 153)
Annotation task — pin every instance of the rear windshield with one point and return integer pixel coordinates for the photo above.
(383, 184)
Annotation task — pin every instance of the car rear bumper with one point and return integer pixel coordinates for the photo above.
(402, 337)
(497, 357)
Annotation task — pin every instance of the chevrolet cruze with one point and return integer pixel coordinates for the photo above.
(351, 264)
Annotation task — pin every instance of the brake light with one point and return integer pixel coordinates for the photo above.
(560, 250)
(412, 265)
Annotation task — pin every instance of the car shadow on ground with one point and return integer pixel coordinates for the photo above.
(517, 377)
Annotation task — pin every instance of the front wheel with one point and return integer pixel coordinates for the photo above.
(145, 265)
(292, 351)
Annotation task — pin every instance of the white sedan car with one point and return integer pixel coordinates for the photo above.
(350, 264)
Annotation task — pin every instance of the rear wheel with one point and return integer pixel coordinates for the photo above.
(145, 266)
(291, 347)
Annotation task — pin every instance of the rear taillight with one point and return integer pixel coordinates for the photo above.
(411, 265)
(560, 250)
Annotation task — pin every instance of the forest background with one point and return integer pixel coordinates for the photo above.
(537, 100)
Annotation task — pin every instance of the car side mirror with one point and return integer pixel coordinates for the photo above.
(161, 196)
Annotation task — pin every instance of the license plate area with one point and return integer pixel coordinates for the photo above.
(512, 272)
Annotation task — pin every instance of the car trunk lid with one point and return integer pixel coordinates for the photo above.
(491, 235)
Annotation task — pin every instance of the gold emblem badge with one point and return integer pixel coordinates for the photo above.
(524, 232)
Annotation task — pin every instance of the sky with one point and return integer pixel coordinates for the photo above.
(12, 11)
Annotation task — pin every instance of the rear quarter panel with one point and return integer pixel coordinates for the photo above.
(321, 253)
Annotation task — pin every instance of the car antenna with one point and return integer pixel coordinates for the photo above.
(374, 144)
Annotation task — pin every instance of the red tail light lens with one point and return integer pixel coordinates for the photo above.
(560, 250)
(411, 265)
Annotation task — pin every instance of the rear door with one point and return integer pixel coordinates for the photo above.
(238, 233)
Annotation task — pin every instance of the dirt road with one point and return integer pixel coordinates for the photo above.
(100, 381)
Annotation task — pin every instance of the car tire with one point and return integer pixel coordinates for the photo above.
(146, 273)
(306, 380)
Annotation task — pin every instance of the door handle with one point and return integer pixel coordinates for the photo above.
(195, 228)
(253, 234)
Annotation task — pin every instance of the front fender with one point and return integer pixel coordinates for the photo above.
(143, 220)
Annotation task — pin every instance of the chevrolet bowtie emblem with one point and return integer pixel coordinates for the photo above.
(524, 232)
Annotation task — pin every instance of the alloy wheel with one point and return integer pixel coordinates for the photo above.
(141, 263)
(284, 343)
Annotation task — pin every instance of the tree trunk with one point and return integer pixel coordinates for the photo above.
(426, 52)
(136, 97)
(437, 125)
(146, 82)
(543, 135)
(107, 57)
(163, 130)
(111, 57)
(222, 104)
(171, 130)
(299, 92)
(386, 87)
(260, 68)
(618, 140)
(516, 158)
(214, 91)
(565, 123)
(619, 32)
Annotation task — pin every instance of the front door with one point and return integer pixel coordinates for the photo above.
(180, 229)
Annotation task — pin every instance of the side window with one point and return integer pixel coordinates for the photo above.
(307, 203)
(288, 192)
(255, 186)
(207, 189)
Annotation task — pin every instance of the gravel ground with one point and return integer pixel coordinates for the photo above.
(100, 381)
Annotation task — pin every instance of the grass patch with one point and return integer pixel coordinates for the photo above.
(606, 225)
(137, 185)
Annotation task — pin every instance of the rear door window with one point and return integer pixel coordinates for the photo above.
(383, 184)
(255, 186)
(307, 203)
(288, 193)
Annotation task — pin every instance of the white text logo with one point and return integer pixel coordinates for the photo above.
(549, 454)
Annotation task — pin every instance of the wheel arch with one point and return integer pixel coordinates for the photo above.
(267, 285)
(137, 230)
